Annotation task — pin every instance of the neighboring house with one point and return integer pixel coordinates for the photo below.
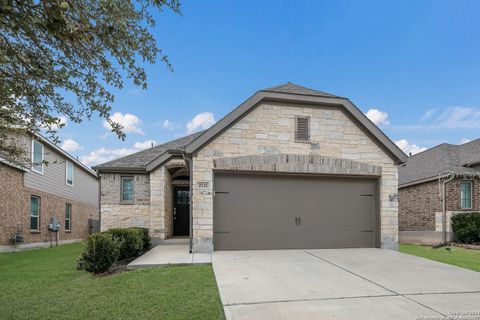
(51, 184)
(450, 172)
(290, 167)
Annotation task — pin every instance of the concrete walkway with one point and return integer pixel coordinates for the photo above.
(341, 284)
(163, 255)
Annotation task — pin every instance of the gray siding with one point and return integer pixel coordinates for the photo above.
(85, 186)
(110, 186)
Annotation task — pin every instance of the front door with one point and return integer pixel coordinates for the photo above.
(181, 210)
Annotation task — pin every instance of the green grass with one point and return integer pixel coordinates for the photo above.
(44, 284)
(465, 258)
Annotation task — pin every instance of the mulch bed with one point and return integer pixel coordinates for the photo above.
(467, 246)
(118, 267)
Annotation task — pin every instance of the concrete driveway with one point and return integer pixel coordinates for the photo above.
(341, 284)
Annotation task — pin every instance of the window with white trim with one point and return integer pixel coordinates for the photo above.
(466, 194)
(69, 173)
(34, 213)
(37, 156)
(68, 217)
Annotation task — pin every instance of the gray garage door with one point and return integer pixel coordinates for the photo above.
(259, 211)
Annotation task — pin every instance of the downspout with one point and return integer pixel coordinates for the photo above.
(444, 209)
(189, 163)
(99, 204)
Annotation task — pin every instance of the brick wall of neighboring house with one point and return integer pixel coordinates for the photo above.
(419, 203)
(12, 204)
(15, 211)
(453, 195)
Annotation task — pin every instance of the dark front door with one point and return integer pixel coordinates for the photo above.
(180, 211)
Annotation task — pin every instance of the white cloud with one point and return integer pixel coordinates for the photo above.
(107, 154)
(167, 124)
(450, 118)
(201, 121)
(428, 114)
(465, 140)
(130, 123)
(378, 117)
(71, 145)
(408, 148)
(145, 144)
(459, 118)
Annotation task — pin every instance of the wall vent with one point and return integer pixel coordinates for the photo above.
(302, 129)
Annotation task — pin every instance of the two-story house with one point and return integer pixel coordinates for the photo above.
(52, 184)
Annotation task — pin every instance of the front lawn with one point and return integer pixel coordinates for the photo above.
(44, 284)
(465, 258)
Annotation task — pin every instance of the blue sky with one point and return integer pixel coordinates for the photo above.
(415, 63)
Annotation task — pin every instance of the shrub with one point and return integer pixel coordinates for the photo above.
(466, 227)
(100, 252)
(130, 241)
(147, 243)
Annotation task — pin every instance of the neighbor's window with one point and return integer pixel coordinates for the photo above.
(69, 173)
(68, 217)
(466, 194)
(37, 156)
(34, 213)
(302, 129)
(127, 189)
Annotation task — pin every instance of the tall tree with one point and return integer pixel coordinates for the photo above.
(61, 58)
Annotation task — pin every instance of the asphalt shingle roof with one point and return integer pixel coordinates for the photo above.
(439, 160)
(139, 160)
(296, 89)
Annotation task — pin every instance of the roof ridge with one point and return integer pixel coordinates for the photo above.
(298, 89)
(278, 86)
(474, 140)
(430, 149)
(147, 150)
(170, 141)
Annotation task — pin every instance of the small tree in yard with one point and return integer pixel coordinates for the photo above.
(59, 58)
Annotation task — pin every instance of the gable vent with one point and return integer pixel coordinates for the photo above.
(302, 129)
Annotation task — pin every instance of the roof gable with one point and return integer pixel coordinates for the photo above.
(293, 93)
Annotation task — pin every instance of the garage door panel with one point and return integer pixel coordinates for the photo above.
(226, 203)
(259, 211)
(265, 240)
(336, 203)
(329, 239)
(249, 221)
(336, 222)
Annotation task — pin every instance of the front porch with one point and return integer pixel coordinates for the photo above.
(170, 202)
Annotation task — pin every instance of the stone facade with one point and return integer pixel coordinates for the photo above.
(421, 209)
(115, 213)
(270, 130)
(152, 205)
(15, 211)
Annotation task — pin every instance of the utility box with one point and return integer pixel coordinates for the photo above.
(54, 224)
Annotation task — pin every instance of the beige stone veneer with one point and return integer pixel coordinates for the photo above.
(269, 129)
(152, 205)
